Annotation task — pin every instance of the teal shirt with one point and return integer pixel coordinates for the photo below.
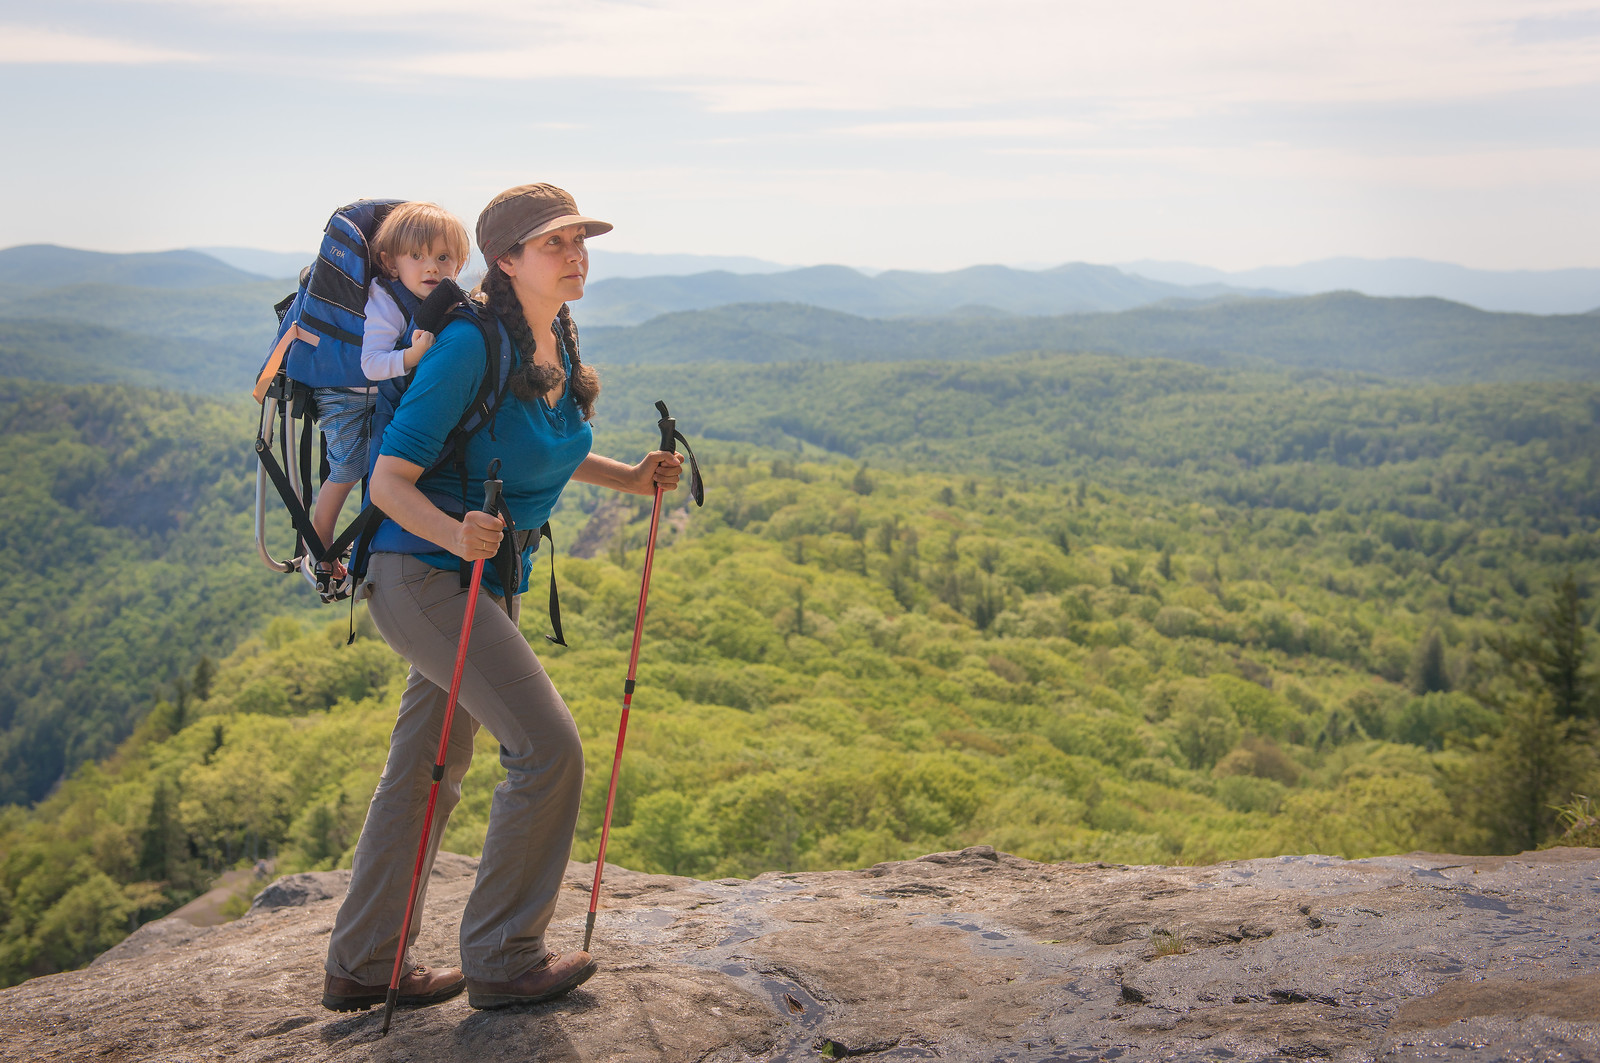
(539, 446)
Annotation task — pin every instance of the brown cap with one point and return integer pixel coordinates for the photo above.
(521, 213)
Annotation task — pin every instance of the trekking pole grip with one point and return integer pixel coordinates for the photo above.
(669, 429)
(492, 488)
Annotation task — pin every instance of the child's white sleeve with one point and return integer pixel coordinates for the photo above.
(385, 320)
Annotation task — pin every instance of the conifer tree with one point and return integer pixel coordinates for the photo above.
(1428, 674)
(1531, 768)
(1560, 651)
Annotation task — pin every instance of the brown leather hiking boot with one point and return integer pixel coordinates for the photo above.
(418, 986)
(555, 975)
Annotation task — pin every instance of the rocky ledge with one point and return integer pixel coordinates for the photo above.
(972, 955)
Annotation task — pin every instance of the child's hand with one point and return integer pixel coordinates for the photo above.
(420, 342)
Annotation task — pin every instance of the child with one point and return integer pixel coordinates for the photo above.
(416, 246)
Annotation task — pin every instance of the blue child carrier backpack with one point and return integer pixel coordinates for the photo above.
(318, 345)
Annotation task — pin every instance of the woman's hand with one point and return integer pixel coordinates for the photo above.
(659, 468)
(394, 490)
(477, 536)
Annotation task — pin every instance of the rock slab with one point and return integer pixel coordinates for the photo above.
(972, 955)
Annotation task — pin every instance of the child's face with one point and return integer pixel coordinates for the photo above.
(421, 271)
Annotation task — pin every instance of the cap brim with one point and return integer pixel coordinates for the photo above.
(592, 226)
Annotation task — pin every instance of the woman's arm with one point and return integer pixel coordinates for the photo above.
(658, 467)
(394, 490)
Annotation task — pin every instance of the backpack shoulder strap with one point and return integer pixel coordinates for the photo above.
(478, 414)
(407, 303)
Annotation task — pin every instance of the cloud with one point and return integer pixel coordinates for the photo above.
(983, 129)
(1148, 128)
(1559, 26)
(1483, 169)
(845, 55)
(28, 44)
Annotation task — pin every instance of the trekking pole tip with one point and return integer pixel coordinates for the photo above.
(388, 1009)
(588, 931)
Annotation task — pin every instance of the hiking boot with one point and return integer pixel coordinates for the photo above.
(419, 986)
(555, 975)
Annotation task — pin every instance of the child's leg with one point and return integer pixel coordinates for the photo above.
(330, 501)
(345, 417)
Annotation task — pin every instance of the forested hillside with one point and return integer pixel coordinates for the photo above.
(844, 665)
(1075, 606)
(155, 488)
(1413, 339)
(1307, 441)
(126, 557)
(206, 340)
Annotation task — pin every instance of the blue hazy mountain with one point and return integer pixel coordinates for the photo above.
(49, 266)
(605, 264)
(1551, 291)
(1073, 288)
(276, 264)
(128, 318)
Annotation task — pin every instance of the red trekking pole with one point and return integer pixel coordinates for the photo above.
(669, 443)
(491, 505)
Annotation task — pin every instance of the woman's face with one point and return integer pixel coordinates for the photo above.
(551, 267)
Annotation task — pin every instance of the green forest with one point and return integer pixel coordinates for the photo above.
(1410, 339)
(127, 556)
(1076, 607)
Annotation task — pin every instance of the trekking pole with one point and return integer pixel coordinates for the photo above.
(668, 426)
(491, 505)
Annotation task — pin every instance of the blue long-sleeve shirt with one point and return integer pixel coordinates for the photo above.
(539, 446)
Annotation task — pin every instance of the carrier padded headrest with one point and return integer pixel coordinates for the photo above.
(431, 315)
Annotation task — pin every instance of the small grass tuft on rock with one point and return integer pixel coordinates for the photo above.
(1167, 943)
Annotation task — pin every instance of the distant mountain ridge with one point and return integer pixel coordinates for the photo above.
(212, 335)
(1076, 287)
(631, 287)
(50, 266)
(605, 263)
(275, 264)
(1554, 291)
(1418, 339)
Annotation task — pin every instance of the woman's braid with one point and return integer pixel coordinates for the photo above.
(585, 381)
(530, 380)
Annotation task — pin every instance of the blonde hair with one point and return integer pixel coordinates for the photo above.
(416, 227)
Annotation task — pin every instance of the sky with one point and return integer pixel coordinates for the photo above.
(920, 134)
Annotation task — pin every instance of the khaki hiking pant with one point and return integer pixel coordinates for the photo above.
(418, 610)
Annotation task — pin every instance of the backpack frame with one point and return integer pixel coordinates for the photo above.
(319, 345)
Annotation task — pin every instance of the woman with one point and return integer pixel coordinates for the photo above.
(533, 241)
